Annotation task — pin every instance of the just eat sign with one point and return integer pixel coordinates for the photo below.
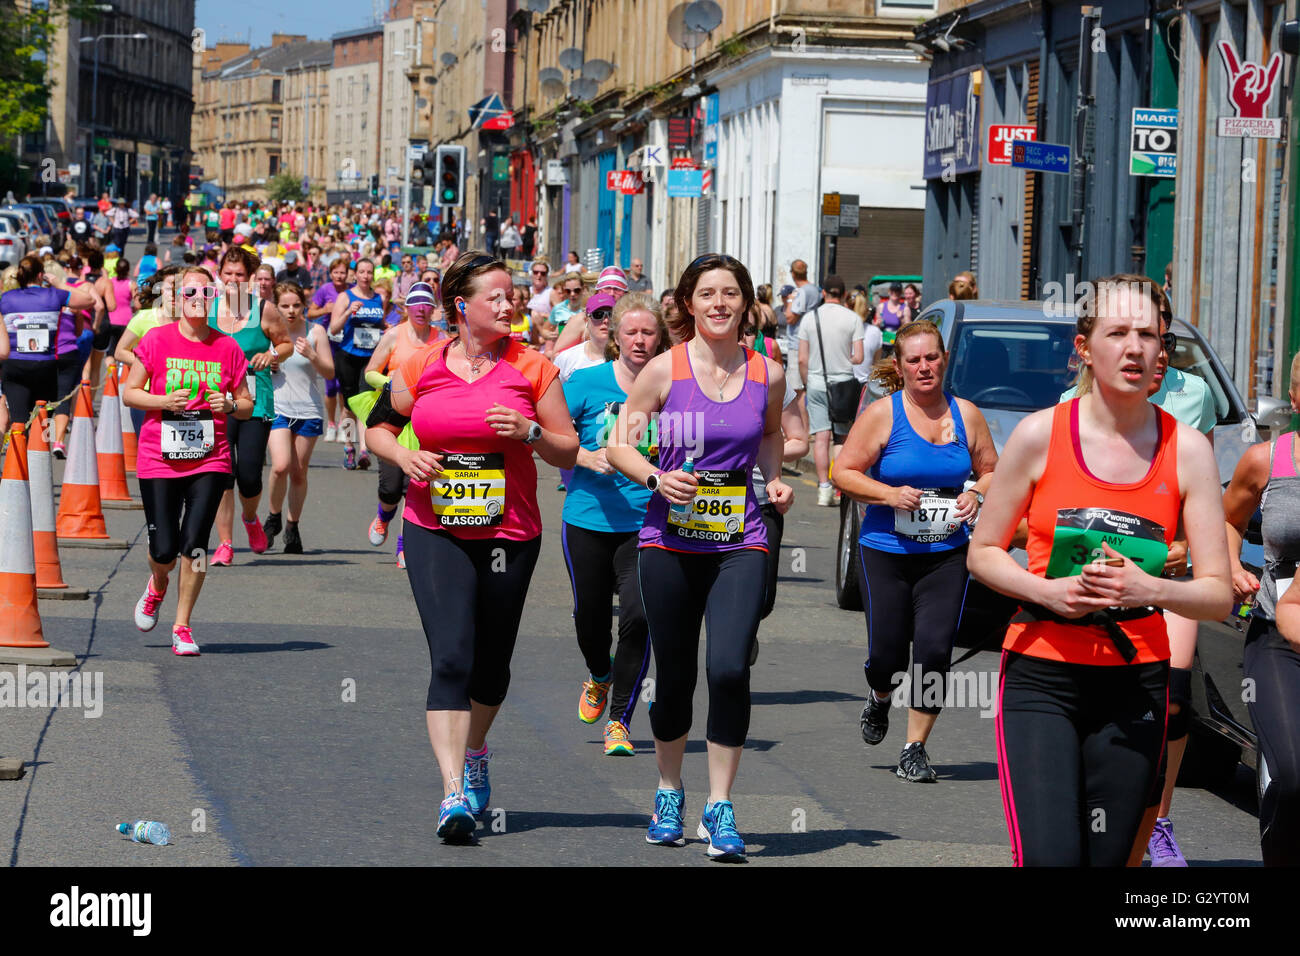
(1001, 138)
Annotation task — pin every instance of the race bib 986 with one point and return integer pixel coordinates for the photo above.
(718, 511)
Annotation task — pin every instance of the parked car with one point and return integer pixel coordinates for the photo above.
(31, 224)
(44, 215)
(12, 245)
(1012, 358)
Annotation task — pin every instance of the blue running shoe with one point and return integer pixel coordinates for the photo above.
(478, 789)
(718, 826)
(666, 824)
(455, 821)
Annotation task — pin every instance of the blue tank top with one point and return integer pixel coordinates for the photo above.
(34, 318)
(364, 328)
(938, 470)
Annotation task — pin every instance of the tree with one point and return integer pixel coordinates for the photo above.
(285, 187)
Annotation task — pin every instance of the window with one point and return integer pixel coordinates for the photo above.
(275, 127)
(274, 166)
(1013, 365)
(275, 91)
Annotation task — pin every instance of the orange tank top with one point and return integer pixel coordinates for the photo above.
(1071, 512)
(404, 348)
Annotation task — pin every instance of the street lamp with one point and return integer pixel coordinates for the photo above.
(94, 88)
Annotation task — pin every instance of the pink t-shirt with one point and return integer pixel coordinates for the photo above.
(489, 485)
(175, 444)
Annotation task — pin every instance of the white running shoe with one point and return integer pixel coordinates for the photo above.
(332, 432)
(146, 609)
(183, 642)
(825, 495)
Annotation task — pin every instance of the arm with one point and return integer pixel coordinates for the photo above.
(134, 395)
(125, 351)
(856, 356)
(796, 433)
(983, 458)
(275, 329)
(573, 333)
(339, 315)
(862, 448)
(379, 357)
(649, 392)
(803, 359)
(315, 311)
(773, 443)
(84, 297)
(1240, 501)
(322, 358)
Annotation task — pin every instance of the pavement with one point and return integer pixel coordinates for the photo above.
(298, 737)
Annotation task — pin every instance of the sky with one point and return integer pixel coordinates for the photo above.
(318, 19)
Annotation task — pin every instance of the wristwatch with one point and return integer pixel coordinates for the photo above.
(652, 483)
(534, 433)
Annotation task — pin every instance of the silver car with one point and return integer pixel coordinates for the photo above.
(13, 246)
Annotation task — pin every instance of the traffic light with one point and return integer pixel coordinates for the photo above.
(374, 185)
(451, 175)
(429, 165)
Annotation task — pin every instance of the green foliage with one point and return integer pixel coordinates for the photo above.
(284, 186)
(733, 47)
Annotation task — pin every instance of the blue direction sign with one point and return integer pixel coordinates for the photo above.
(1041, 157)
(685, 183)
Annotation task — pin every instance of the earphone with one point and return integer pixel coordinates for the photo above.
(461, 306)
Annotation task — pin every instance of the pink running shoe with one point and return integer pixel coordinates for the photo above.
(256, 536)
(146, 609)
(183, 642)
(224, 556)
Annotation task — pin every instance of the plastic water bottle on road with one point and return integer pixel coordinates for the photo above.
(146, 831)
(689, 467)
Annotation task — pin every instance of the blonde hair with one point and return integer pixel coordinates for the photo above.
(861, 306)
(636, 302)
(963, 286)
(885, 372)
(1294, 384)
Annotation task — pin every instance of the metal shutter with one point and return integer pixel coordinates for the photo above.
(888, 243)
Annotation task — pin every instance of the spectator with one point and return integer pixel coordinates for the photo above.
(151, 208)
(294, 271)
(121, 220)
(835, 333)
(574, 264)
(804, 299)
(912, 298)
(637, 280)
(893, 312)
(510, 241)
(963, 287)
(529, 236)
(491, 224)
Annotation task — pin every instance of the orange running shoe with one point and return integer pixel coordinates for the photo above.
(592, 702)
(617, 743)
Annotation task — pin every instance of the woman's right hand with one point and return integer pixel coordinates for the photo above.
(301, 345)
(594, 461)
(421, 465)
(175, 401)
(906, 498)
(678, 487)
(1071, 598)
(1244, 584)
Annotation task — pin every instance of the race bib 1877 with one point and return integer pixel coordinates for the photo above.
(933, 519)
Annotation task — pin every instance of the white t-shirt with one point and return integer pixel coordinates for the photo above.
(572, 267)
(872, 340)
(842, 328)
(540, 304)
(574, 358)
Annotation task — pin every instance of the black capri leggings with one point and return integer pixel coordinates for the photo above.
(25, 382)
(351, 372)
(678, 591)
(392, 484)
(107, 337)
(247, 453)
(1274, 666)
(600, 563)
(917, 600)
(179, 512)
(69, 374)
(470, 605)
(1078, 746)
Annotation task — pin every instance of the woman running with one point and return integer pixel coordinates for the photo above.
(322, 307)
(908, 460)
(41, 344)
(699, 560)
(299, 414)
(359, 315)
(1104, 480)
(256, 325)
(602, 516)
(481, 405)
(1268, 478)
(161, 307)
(195, 381)
(109, 333)
(398, 344)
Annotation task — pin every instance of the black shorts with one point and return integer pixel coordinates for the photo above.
(179, 513)
(108, 336)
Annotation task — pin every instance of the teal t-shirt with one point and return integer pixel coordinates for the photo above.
(594, 501)
(252, 340)
(1184, 396)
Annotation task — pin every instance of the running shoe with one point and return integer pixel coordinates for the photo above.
(292, 541)
(401, 554)
(378, 531)
(875, 719)
(350, 458)
(617, 743)
(478, 789)
(332, 432)
(825, 495)
(718, 826)
(560, 487)
(271, 527)
(60, 450)
(257, 542)
(146, 609)
(364, 461)
(1162, 846)
(183, 642)
(224, 556)
(666, 823)
(455, 819)
(914, 765)
(595, 694)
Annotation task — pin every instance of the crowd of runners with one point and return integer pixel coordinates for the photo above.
(669, 418)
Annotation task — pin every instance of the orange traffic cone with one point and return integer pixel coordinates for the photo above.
(20, 619)
(129, 438)
(110, 462)
(80, 513)
(49, 570)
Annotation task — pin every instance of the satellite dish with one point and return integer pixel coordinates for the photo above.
(584, 89)
(421, 102)
(448, 58)
(538, 6)
(702, 16)
(571, 59)
(552, 88)
(550, 74)
(598, 70)
(679, 32)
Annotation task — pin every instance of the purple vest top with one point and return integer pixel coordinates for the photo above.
(723, 438)
(891, 317)
(36, 315)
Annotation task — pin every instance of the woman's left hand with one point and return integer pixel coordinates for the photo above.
(780, 494)
(1123, 585)
(261, 360)
(968, 506)
(507, 422)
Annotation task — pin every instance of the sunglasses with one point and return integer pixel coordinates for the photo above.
(200, 292)
(600, 316)
(541, 272)
(573, 291)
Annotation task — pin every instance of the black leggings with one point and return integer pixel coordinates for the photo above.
(69, 374)
(351, 372)
(247, 453)
(678, 591)
(470, 595)
(774, 521)
(25, 382)
(1274, 666)
(601, 562)
(107, 337)
(1078, 746)
(179, 513)
(917, 600)
(392, 484)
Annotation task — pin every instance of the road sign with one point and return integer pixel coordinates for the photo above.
(652, 156)
(1154, 148)
(556, 173)
(848, 215)
(830, 225)
(831, 204)
(1041, 157)
(392, 170)
(684, 162)
(415, 153)
(685, 183)
(1002, 136)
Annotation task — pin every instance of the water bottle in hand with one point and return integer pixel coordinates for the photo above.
(146, 831)
(689, 467)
